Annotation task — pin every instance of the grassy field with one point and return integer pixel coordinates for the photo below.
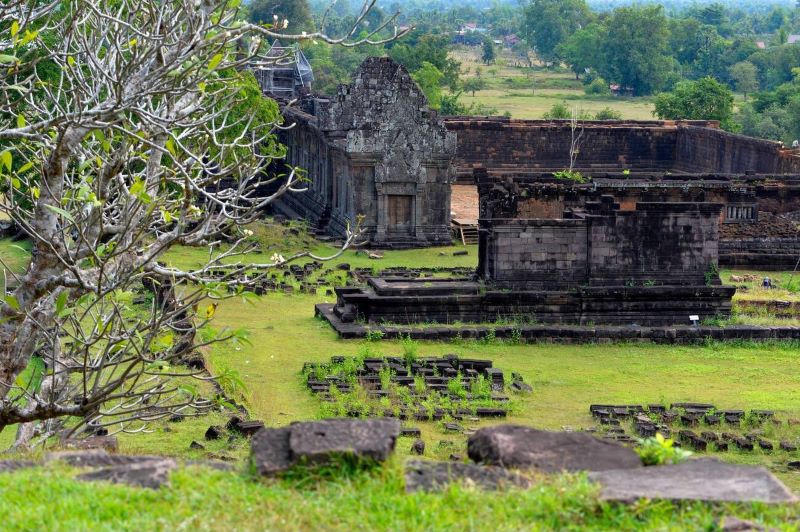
(528, 93)
(199, 499)
(283, 334)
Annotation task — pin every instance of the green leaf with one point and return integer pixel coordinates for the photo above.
(7, 59)
(61, 305)
(14, 28)
(137, 188)
(29, 36)
(6, 159)
(215, 61)
(71, 61)
(61, 301)
(12, 302)
(25, 167)
(170, 145)
(62, 212)
(20, 121)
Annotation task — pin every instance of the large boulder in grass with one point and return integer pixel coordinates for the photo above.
(323, 442)
(521, 447)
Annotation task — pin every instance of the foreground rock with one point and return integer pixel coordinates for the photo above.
(322, 442)
(697, 480)
(431, 476)
(7, 466)
(548, 452)
(148, 474)
(99, 458)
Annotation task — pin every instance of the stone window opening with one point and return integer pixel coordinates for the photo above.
(739, 213)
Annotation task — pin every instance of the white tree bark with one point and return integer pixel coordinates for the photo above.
(118, 140)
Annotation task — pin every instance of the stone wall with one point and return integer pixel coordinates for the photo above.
(764, 253)
(702, 149)
(505, 145)
(664, 243)
(535, 253)
(657, 243)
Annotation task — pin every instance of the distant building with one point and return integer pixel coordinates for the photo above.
(284, 72)
(793, 39)
(761, 45)
(618, 90)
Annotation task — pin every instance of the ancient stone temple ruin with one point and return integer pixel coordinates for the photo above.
(637, 239)
(377, 156)
(561, 252)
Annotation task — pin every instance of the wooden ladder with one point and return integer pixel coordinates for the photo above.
(469, 234)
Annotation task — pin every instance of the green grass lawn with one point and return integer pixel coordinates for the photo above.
(283, 334)
(14, 257)
(566, 378)
(200, 499)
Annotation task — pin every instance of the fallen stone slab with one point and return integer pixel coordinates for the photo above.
(432, 476)
(317, 441)
(320, 442)
(245, 428)
(7, 466)
(734, 524)
(216, 465)
(705, 479)
(418, 447)
(151, 474)
(549, 452)
(270, 451)
(109, 443)
(98, 458)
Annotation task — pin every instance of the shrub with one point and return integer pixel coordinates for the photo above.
(456, 388)
(570, 175)
(410, 349)
(559, 111)
(597, 86)
(660, 451)
(374, 336)
(608, 113)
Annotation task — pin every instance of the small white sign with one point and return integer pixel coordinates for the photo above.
(694, 318)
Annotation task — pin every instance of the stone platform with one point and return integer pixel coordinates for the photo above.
(680, 334)
(447, 301)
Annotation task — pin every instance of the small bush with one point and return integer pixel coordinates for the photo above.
(374, 336)
(570, 175)
(410, 349)
(660, 451)
(608, 114)
(455, 387)
(597, 86)
(559, 111)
